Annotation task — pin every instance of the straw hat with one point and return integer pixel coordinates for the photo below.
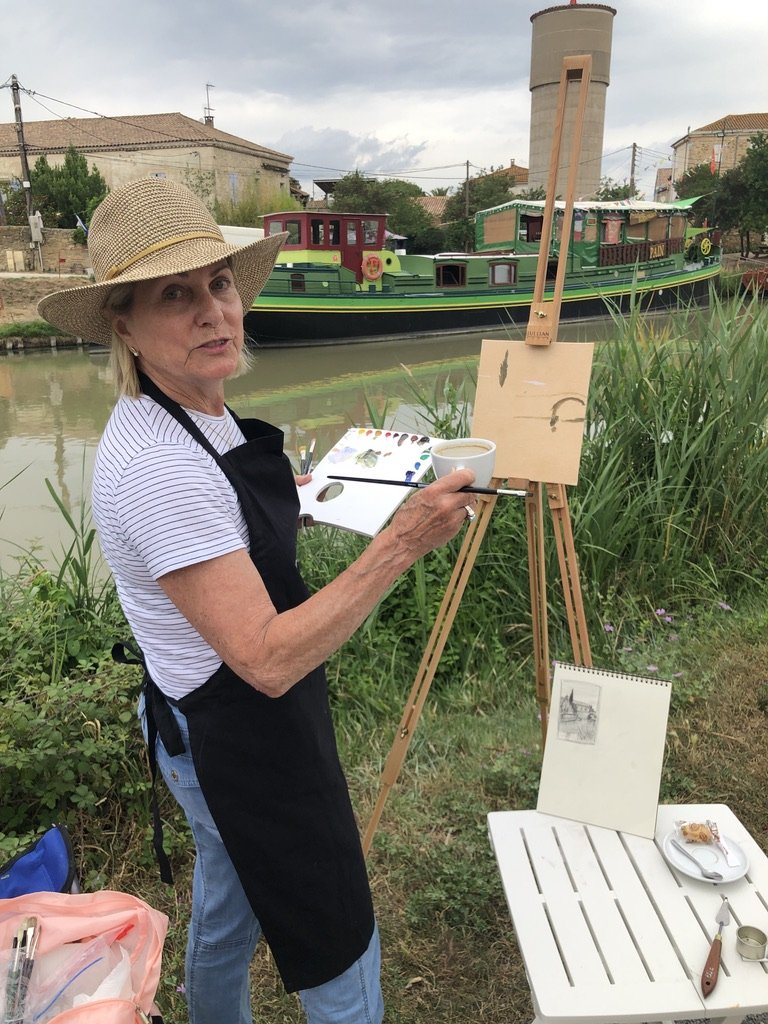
(150, 228)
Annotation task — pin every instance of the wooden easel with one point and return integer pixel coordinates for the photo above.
(542, 330)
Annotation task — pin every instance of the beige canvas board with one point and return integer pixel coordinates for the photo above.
(532, 402)
(605, 749)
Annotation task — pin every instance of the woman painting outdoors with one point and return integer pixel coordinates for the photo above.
(197, 514)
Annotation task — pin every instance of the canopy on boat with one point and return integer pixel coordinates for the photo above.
(633, 205)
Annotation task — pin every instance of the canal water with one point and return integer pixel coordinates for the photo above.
(54, 405)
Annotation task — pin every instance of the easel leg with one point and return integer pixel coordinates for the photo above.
(537, 577)
(569, 572)
(429, 662)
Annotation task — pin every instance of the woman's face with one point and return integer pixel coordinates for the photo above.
(187, 329)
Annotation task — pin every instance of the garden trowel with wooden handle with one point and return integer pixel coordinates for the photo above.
(712, 966)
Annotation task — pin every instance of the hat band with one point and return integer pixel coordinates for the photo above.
(118, 268)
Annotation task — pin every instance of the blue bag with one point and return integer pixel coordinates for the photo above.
(46, 866)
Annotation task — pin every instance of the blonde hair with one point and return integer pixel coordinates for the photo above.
(122, 360)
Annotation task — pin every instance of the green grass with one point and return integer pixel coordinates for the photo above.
(30, 329)
(669, 522)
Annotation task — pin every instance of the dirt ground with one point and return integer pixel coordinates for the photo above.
(20, 293)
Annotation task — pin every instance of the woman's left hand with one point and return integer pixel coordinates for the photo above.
(302, 479)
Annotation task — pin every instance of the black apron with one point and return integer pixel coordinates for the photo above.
(268, 767)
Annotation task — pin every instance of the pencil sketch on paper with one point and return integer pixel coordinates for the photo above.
(579, 713)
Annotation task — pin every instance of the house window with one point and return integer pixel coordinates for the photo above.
(451, 275)
(298, 283)
(502, 274)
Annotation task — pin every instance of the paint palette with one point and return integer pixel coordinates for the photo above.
(365, 453)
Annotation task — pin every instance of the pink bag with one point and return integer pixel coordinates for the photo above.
(96, 958)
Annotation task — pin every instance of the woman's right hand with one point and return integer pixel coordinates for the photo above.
(434, 514)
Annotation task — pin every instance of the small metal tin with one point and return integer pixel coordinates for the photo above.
(751, 942)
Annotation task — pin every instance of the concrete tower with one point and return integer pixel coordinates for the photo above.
(565, 31)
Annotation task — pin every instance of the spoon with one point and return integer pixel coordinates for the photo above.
(714, 876)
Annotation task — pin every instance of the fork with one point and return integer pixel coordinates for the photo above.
(713, 876)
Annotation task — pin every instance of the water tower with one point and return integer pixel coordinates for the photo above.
(565, 31)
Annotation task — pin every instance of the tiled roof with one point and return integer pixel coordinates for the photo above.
(434, 206)
(517, 174)
(140, 131)
(736, 123)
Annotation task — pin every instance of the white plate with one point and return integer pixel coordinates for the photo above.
(708, 855)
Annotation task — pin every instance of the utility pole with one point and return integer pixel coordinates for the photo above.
(466, 203)
(25, 179)
(632, 168)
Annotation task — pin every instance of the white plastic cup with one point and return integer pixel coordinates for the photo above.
(475, 453)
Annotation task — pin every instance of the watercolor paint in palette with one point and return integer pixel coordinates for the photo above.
(365, 452)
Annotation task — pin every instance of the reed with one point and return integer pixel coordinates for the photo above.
(674, 473)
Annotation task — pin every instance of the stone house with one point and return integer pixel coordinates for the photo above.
(721, 144)
(215, 164)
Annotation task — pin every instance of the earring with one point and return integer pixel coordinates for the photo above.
(134, 352)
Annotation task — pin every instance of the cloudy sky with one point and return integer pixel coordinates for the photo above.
(405, 88)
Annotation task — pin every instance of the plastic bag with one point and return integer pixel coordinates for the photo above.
(97, 957)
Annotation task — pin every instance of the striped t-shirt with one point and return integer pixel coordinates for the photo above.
(160, 503)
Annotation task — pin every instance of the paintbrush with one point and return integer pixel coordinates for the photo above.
(411, 483)
(302, 458)
(310, 455)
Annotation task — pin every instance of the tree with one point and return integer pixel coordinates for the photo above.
(537, 193)
(62, 194)
(700, 181)
(609, 189)
(480, 193)
(755, 170)
(354, 193)
(252, 205)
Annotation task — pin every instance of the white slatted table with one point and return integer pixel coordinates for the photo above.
(609, 931)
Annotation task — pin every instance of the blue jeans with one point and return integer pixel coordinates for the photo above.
(224, 931)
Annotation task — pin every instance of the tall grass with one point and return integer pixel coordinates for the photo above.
(674, 476)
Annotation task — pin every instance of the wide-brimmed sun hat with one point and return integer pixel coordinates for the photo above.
(146, 229)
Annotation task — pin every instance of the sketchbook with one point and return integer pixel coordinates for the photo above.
(605, 749)
(365, 452)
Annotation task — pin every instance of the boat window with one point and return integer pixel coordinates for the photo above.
(317, 232)
(502, 273)
(451, 275)
(293, 227)
(351, 232)
(530, 228)
(370, 232)
(334, 232)
(298, 283)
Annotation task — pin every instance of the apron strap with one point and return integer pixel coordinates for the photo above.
(160, 722)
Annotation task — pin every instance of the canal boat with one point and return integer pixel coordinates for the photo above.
(341, 277)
